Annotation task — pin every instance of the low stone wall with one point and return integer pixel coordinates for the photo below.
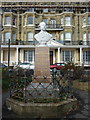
(42, 110)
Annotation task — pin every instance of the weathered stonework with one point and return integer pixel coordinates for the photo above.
(42, 110)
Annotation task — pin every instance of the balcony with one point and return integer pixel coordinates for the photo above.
(19, 42)
(75, 42)
(51, 27)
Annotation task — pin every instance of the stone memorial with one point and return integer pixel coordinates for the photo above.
(42, 60)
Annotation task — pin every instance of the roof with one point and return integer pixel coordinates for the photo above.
(45, 1)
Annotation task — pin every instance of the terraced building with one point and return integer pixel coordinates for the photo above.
(67, 20)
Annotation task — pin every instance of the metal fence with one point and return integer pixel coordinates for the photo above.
(22, 88)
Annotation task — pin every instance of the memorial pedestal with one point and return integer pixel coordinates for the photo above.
(42, 65)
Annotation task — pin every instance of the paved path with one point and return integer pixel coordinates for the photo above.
(84, 112)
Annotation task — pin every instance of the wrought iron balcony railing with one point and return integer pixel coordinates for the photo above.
(20, 42)
(75, 42)
(51, 26)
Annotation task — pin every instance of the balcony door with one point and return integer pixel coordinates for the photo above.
(53, 23)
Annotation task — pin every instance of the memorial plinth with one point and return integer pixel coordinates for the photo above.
(42, 65)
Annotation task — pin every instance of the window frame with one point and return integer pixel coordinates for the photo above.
(64, 56)
(28, 57)
(68, 39)
(83, 21)
(30, 22)
(13, 33)
(30, 38)
(86, 57)
(67, 22)
(84, 37)
(6, 39)
(6, 23)
(88, 20)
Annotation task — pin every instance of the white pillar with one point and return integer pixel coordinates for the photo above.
(1, 56)
(17, 55)
(81, 56)
(58, 55)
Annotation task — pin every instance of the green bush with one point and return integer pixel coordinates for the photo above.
(73, 71)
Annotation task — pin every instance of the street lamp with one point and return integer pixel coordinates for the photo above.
(8, 52)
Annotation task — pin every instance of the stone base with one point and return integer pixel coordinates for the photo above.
(42, 110)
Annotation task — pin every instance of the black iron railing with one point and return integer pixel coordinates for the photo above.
(80, 42)
(51, 26)
(20, 42)
(22, 87)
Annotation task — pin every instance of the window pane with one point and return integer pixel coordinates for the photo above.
(30, 20)
(84, 21)
(88, 36)
(36, 20)
(67, 20)
(45, 20)
(30, 36)
(24, 21)
(45, 10)
(29, 56)
(53, 23)
(7, 20)
(67, 36)
(88, 20)
(67, 55)
(7, 36)
(86, 56)
(84, 37)
(62, 22)
(13, 36)
(62, 36)
(14, 20)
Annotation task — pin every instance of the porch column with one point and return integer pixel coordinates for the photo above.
(81, 56)
(58, 55)
(1, 56)
(17, 55)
